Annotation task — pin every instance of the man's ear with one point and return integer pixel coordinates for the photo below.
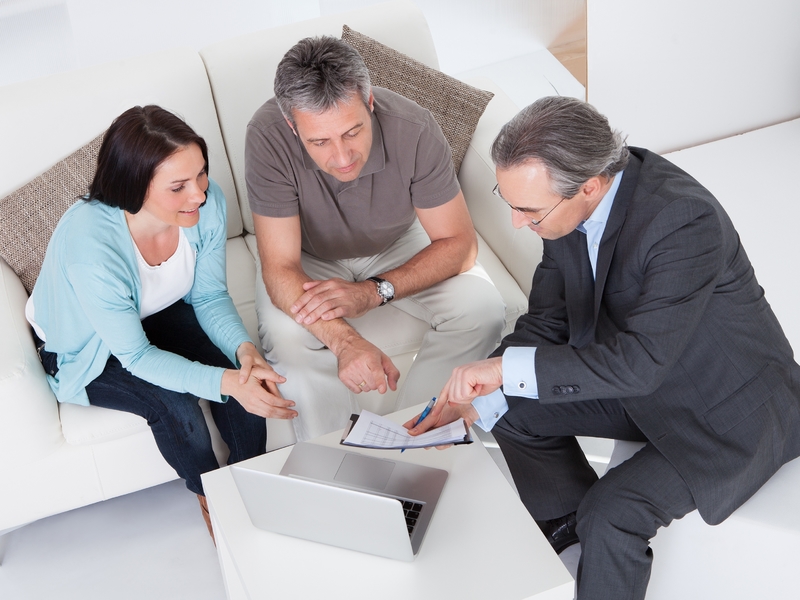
(593, 186)
(371, 102)
(289, 123)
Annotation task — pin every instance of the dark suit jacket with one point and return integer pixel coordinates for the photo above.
(675, 326)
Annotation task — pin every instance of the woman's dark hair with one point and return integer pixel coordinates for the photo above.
(137, 142)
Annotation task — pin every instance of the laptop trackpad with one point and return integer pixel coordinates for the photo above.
(364, 471)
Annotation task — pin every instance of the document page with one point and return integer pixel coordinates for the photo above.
(369, 430)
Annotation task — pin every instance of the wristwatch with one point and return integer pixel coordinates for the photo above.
(385, 289)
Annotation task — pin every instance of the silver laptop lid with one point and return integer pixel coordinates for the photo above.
(375, 480)
(323, 513)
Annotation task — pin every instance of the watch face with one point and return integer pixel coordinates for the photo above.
(386, 289)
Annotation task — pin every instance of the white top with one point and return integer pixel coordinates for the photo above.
(31, 319)
(165, 284)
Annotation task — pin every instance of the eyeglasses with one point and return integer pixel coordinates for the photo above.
(496, 192)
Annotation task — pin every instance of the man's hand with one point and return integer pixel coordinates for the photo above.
(363, 367)
(466, 383)
(474, 379)
(442, 414)
(334, 298)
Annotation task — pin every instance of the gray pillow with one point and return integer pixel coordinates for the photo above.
(29, 215)
(455, 105)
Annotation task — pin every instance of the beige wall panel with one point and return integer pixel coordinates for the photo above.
(674, 74)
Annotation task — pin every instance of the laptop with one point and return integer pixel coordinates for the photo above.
(345, 499)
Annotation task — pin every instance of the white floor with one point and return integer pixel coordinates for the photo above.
(154, 544)
(150, 544)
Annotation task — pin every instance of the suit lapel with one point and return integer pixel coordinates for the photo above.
(613, 228)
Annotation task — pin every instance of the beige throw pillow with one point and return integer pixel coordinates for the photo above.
(29, 215)
(455, 105)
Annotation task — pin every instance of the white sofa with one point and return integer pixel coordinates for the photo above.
(754, 552)
(53, 457)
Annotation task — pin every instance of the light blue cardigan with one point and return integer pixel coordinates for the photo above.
(87, 297)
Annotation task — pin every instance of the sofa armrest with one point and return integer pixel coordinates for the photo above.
(29, 421)
(519, 250)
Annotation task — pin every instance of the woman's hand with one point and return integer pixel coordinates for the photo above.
(258, 396)
(249, 357)
(254, 385)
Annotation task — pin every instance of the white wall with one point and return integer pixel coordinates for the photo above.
(41, 37)
(677, 73)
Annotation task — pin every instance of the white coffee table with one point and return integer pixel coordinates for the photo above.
(481, 542)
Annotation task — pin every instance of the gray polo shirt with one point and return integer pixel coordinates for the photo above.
(409, 166)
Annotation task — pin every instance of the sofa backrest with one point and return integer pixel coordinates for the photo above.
(519, 250)
(45, 120)
(242, 69)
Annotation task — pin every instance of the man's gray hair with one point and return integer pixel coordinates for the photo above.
(317, 74)
(569, 137)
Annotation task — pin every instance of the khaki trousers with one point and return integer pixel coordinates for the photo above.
(465, 315)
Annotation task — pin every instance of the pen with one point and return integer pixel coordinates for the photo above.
(422, 416)
(425, 412)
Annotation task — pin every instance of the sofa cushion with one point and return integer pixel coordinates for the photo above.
(86, 425)
(29, 215)
(455, 105)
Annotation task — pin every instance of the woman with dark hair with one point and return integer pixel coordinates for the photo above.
(131, 307)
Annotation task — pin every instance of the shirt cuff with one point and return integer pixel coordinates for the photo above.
(519, 372)
(491, 409)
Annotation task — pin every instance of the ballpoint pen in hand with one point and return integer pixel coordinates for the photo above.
(423, 414)
(426, 412)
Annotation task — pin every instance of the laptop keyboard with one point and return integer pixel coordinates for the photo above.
(411, 510)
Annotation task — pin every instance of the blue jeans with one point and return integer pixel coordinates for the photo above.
(175, 418)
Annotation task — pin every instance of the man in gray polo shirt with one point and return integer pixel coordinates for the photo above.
(356, 204)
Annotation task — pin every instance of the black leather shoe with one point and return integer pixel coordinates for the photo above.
(560, 532)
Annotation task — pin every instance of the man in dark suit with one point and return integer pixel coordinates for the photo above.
(646, 323)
